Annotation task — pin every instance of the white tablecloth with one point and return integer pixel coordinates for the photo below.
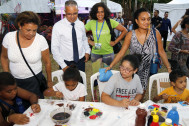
(112, 116)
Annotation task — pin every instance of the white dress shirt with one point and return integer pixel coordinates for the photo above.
(61, 42)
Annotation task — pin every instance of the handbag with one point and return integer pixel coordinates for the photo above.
(104, 76)
(43, 81)
(117, 46)
(155, 62)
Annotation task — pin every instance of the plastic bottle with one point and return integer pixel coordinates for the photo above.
(168, 122)
(141, 116)
(21, 108)
(155, 120)
(154, 64)
(150, 119)
(155, 58)
(173, 115)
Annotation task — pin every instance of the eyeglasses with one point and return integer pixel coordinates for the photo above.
(125, 69)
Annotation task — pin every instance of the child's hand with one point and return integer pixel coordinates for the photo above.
(59, 94)
(164, 96)
(134, 102)
(124, 103)
(20, 119)
(35, 108)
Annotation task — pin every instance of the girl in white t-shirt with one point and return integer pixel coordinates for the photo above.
(70, 88)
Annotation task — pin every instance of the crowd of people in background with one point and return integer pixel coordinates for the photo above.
(24, 51)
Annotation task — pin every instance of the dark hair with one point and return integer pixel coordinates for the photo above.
(166, 12)
(157, 11)
(136, 15)
(134, 60)
(94, 11)
(187, 12)
(71, 73)
(6, 79)
(27, 17)
(175, 74)
(184, 22)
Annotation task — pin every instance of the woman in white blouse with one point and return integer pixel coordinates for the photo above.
(34, 48)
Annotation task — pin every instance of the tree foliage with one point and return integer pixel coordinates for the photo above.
(129, 6)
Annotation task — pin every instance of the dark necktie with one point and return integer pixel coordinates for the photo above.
(75, 47)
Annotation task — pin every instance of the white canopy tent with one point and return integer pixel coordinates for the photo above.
(85, 6)
(179, 2)
(176, 11)
(17, 6)
(38, 6)
(113, 6)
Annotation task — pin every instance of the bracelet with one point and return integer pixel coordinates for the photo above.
(7, 119)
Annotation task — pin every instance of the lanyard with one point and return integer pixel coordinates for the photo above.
(98, 36)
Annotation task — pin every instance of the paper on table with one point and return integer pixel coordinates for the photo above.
(37, 116)
(185, 121)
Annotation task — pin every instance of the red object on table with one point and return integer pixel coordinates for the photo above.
(156, 106)
(93, 117)
(154, 124)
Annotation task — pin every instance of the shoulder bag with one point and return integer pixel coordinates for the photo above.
(43, 82)
(116, 47)
(155, 62)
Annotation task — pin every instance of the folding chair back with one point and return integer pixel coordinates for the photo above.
(101, 85)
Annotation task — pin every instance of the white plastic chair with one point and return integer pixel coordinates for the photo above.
(59, 74)
(187, 86)
(101, 85)
(160, 78)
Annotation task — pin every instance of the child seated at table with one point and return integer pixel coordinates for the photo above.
(124, 88)
(9, 106)
(70, 88)
(177, 92)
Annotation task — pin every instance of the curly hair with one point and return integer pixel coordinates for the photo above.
(27, 17)
(94, 11)
(136, 15)
(134, 59)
